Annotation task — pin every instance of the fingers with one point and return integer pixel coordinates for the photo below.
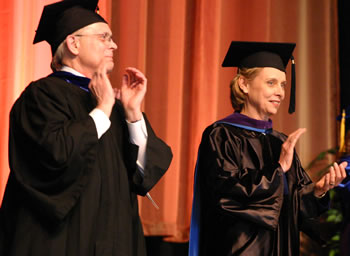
(135, 77)
(100, 78)
(344, 164)
(339, 173)
(322, 186)
(287, 150)
(332, 175)
(102, 89)
(100, 75)
(335, 175)
(135, 73)
(125, 80)
(117, 93)
(101, 70)
(326, 185)
(294, 137)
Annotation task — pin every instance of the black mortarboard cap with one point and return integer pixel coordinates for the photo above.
(262, 54)
(61, 19)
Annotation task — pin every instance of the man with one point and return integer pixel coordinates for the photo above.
(79, 157)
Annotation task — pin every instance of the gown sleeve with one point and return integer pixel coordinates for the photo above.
(158, 159)
(50, 147)
(54, 142)
(311, 208)
(232, 181)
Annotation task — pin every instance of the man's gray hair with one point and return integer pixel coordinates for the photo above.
(56, 63)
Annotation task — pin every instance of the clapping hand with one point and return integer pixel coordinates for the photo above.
(335, 175)
(102, 90)
(132, 93)
(287, 151)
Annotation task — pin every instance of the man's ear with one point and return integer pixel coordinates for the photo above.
(243, 84)
(72, 44)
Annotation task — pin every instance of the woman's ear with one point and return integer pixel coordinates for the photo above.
(243, 84)
(72, 44)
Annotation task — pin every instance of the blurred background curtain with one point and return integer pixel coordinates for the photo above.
(180, 45)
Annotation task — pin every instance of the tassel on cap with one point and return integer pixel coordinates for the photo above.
(342, 133)
(245, 54)
(292, 89)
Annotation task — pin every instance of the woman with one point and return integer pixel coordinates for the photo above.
(252, 196)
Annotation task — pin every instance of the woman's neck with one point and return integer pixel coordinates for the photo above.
(254, 114)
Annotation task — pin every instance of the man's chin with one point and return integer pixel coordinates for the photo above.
(110, 67)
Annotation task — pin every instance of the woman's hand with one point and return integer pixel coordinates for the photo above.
(336, 173)
(287, 151)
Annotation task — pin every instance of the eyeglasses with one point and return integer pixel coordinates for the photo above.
(105, 37)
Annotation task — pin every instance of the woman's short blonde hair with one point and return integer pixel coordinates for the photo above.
(237, 95)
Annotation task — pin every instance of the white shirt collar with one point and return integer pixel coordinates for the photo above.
(70, 70)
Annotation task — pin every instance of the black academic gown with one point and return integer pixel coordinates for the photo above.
(247, 205)
(70, 193)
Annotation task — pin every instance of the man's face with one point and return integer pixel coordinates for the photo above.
(95, 47)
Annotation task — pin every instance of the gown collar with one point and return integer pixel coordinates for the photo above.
(245, 122)
(80, 81)
(71, 70)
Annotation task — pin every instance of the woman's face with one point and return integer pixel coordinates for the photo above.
(264, 93)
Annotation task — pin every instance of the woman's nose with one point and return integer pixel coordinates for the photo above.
(280, 91)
